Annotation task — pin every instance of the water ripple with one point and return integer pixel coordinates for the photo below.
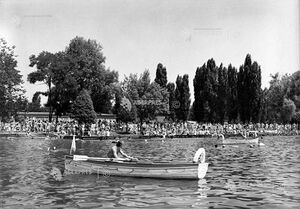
(238, 176)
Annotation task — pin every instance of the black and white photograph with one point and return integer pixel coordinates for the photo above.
(119, 104)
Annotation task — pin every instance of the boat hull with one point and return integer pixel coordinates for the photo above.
(137, 169)
(240, 141)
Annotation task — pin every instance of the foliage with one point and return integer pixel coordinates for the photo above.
(192, 114)
(11, 89)
(86, 60)
(44, 63)
(280, 96)
(35, 105)
(232, 102)
(80, 66)
(223, 94)
(222, 91)
(293, 92)
(161, 75)
(173, 103)
(103, 91)
(182, 95)
(205, 92)
(124, 108)
(287, 110)
(249, 91)
(296, 118)
(274, 97)
(65, 88)
(82, 109)
(199, 99)
(150, 99)
(263, 115)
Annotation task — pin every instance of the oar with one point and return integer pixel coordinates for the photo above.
(85, 157)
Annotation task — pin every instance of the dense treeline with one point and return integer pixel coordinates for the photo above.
(225, 94)
(79, 84)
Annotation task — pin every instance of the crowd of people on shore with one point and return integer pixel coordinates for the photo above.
(109, 127)
(206, 129)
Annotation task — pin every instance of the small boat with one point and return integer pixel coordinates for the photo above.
(240, 141)
(145, 169)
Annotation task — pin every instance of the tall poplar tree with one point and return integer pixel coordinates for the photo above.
(161, 75)
(186, 101)
(178, 96)
(211, 88)
(173, 103)
(222, 94)
(232, 99)
(249, 91)
(199, 99)
(182, 94)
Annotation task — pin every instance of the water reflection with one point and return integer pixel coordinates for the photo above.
(32, 175)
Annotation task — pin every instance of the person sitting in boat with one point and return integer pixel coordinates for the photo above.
(116, 150)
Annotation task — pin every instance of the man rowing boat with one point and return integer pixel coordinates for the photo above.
(116, 150)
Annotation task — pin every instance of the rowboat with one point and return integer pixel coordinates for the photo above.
(145, 169)
(229, 141)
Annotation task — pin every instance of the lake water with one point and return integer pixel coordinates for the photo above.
(237, 177)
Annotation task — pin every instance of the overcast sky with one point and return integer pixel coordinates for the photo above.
(138, 34)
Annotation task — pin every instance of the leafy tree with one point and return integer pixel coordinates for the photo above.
(44, 73)
(82, 109)
(150, 99)
(293, 90)
(296, 118)
(287, 111)
(103, 91)
(274, 99)
(279, 96)
(124, 108)
(264, 106)
(11, 89)
(21, 103)
(86, 60)
(161, 75)
(66, 88)
(80, 66)
(35, 105)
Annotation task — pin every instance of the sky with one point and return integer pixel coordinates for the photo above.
(138, 34)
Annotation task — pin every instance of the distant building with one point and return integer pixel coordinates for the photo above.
(36, 115)
(101, 116)
(45, 116)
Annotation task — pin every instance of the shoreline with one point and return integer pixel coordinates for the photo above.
(133, 136)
